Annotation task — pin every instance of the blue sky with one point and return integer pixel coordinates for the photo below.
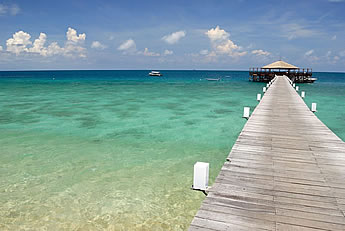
(214, 34)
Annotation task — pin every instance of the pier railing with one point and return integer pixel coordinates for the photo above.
(300, 75)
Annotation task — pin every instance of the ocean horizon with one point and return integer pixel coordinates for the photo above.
(115, 149)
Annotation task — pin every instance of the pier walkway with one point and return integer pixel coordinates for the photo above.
(286, 171)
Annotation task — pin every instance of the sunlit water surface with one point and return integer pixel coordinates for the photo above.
(114, 150)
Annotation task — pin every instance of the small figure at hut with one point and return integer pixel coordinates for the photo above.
(267, 73)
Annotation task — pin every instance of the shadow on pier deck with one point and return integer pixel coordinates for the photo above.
(286, 171)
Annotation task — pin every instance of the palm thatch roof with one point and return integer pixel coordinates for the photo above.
(279, 65)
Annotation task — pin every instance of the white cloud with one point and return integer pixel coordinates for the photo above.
(72, 50)
(261, 52)
(309, 53)
(217, 34)
(97, 45)
(334, 37)
(1, 48)
(342, 53)
(167, 52)
(174, 37)
(221, 43)
(12, 10)
(146, 52)
(332, 60)
(294, 30)
(38, 45)
(3, 9)
(128, 46)
(204, 52)
(20, 42)
(54, 49)
(72, 35)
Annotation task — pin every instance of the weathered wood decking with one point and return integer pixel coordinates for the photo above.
(287, 172)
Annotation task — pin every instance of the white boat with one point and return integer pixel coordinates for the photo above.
(155, 73)
(213, 79)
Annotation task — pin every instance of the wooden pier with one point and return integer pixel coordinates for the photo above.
(286, 171)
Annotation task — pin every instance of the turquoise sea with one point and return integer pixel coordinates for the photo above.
(114, 150)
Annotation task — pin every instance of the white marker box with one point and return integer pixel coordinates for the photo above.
(246, 112)
(303, 94)
(201, 173)
(313, 107)
(258, 97)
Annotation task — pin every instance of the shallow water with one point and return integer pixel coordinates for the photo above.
(98, 150)
(329, 94)
(112, 150)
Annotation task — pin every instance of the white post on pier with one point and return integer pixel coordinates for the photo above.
(264, 89)
(303, 94)
(201, 173)
(313, 107)
(294, 85)
(246, 112)
(297, 88)
(267, 85)
(258, 97)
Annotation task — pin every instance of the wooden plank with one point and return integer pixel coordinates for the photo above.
(286, 171)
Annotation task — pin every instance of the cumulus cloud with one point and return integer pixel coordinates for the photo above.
(6, 9)
(20, 43)
(168, 52)
(221, 43)
(72, 35)
(97, 45)
(146, 52)
(1, 48)
(54, 49)
(174, 37)
(38, 45)
(217, 34)
(128, 46)
(261, 52)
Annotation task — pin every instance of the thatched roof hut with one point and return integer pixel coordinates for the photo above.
(280, 65)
